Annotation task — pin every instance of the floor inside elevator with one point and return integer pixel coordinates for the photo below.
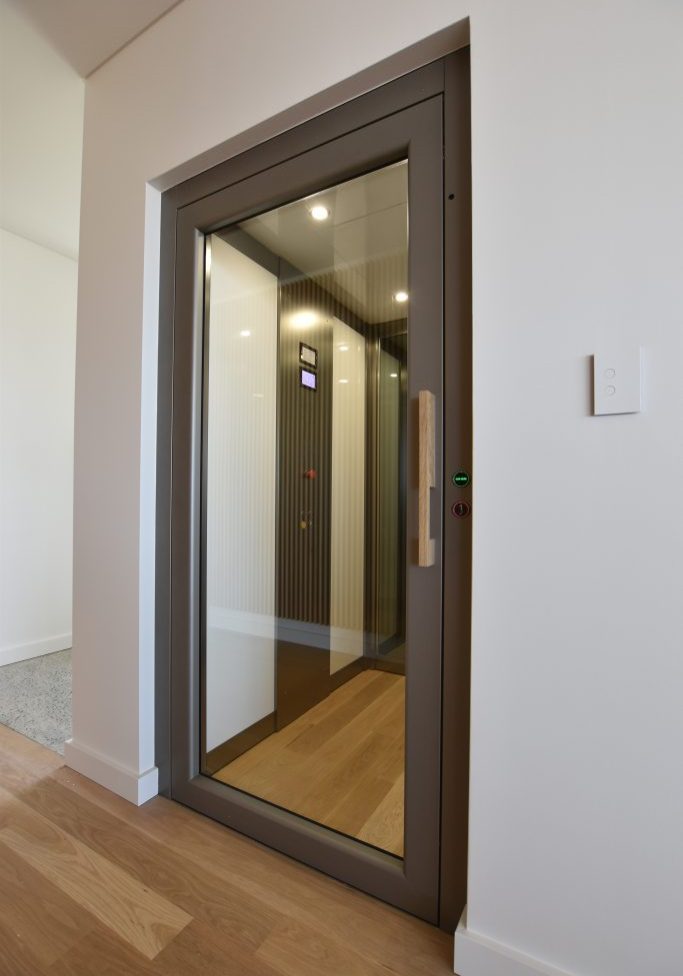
(340, 764)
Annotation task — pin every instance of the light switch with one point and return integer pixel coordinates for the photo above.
(616, 381)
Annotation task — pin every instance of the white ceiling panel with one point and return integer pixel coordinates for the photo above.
(359, 254)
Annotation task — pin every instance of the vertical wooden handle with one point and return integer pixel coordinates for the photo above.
(425, 556)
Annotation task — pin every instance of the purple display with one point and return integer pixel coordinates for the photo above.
(308, 379)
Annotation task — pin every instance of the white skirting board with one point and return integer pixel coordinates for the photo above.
(132, 786)
(475, 955)
(22, 652)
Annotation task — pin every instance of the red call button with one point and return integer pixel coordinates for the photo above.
(311, 474)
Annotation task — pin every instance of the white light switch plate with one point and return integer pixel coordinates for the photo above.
(616, 381)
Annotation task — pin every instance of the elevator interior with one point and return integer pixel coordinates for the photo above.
(305, 399)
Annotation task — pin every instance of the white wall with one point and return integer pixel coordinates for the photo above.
(241, 492)
(41, 114)
(37, 363)
(347, 501)
(576, 793)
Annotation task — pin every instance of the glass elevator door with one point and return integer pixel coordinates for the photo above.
(305, 335)
(307, 494)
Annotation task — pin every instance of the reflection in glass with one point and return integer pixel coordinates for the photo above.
(304, 506)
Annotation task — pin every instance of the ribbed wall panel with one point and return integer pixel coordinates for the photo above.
(306, 556)
(305, 445)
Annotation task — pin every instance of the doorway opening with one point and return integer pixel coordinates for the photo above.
(313, 618)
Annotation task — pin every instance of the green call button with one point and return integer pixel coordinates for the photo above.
(461, 479)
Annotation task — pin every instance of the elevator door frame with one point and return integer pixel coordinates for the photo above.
(436, 889)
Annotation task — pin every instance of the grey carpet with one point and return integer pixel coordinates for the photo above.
(35, 698)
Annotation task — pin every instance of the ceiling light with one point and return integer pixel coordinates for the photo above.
(343, 381)
(304, 319)
(319, 212)
(245, 333)
(393, 375)
(401, 296)
(343, 347)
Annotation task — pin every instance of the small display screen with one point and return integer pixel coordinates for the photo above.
(308, 379)
(308, 355)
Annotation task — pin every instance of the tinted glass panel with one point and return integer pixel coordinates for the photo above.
(305, 483)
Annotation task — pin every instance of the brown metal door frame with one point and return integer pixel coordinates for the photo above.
(417, 115)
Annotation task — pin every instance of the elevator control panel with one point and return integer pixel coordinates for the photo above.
(308, 377)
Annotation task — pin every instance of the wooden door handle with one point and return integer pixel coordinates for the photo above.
(427, 479)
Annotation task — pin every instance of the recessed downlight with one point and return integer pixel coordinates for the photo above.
(304, 319)
(343, 381)
(343, 347)
(319, 212)
(401, 296)
(393, 375)
(245, 333)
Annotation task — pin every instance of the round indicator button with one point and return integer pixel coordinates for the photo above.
(461, 509)
(460, 479)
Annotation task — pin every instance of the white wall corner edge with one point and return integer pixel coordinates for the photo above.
(475, 955)
(135, 787)
(23, 652)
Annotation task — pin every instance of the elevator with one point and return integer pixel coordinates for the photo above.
(314, 465)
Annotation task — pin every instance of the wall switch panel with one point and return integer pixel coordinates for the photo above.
(616, 381)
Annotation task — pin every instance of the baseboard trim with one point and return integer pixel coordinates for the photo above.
(475, 955)
(348, 671)
(132, 786)
(23, 652)
(237, 745)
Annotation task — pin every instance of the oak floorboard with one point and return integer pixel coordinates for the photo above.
(156, 866)
(365, 691)
(144, 919)
(404, 945)
(314, 766)
(38, 759)
(41, 917)
(296, 949)
(16, 958)
(367, 790)
(385, 825)
(103, 953)
(305, 737)
(201, 950)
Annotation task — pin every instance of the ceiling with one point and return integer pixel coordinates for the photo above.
(359, 253)
(87, 32)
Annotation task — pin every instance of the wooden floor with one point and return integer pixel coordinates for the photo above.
(93, 886)
(340, 764)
